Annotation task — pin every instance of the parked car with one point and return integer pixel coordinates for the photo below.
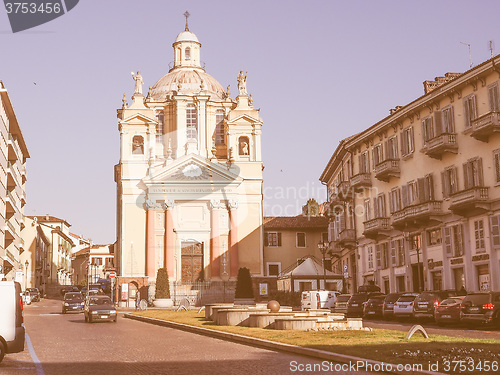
(426, 302)
(35, 294)
(356, 304)
(481, 308)
(72, 301)
(449, 311)
(369, 288)
(403, 307)
(388, 305)
(98, 308)
(11, 318)
(318, 299)
(373, 307)
(340, 305)
(71, 288)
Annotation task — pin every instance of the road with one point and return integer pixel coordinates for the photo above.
(66, 345)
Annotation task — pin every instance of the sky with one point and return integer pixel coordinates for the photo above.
(320, 71)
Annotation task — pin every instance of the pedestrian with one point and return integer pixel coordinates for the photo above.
(137, 299)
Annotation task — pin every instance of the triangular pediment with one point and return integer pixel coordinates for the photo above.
(245, 118)
(192, 169)
(138, 118)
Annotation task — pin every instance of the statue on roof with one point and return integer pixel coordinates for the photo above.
(138, 82)
(242, 83)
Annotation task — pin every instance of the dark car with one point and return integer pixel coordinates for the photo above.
(35, 294)
(340, 305)
(481, 308)
(71, 288)
(426, 302)
(449, 311)
(356, 304)
(373, 307)
(99, 308)
(72, 301)
(388, 305)
(369, 288)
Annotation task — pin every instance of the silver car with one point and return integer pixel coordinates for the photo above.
(403, 307)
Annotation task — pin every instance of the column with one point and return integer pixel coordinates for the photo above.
(215, 239)
(233, 238)
(150, 238)
(169, 258)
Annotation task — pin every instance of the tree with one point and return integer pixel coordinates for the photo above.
(162, 284)
(244, 287)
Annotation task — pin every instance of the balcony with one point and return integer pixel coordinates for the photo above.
(347, 238)
(377, 227)
(417, 215)
(470, 201)
(344, 191)
(484, 126)
(387, 169)
(361, 180)
(437, 146)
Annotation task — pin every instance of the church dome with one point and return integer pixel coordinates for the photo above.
(187, 36)
(190, 80)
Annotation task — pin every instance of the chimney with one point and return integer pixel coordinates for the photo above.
(47, 217)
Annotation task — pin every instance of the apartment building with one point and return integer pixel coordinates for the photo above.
(13, 155)
(414, 200)
(94, 263)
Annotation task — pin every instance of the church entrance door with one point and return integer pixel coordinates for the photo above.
(192, 261)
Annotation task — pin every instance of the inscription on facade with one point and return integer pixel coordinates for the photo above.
(161, 190)
(457, 261)
(476, 258)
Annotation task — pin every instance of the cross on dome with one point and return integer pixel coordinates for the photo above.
(186, 14)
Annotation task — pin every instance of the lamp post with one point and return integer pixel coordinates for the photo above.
(323, 246)
(26, 275)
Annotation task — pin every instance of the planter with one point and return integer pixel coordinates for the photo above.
(163, 302)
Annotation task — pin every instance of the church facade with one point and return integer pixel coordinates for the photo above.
(189, 179)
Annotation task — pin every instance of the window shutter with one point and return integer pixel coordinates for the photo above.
(467, 113)
(387, 150)
(382, 205)
(473, 107)
(377, 251)
(405, 195)
(444, 185)
(421, 190)
(479, 164)
(460, 240)
(447, 241)
(495, 231)
(279, 238)
(438, 123)
(393, 253)
(266, 239)
(374, 157)
(497, 166)
(493, 98)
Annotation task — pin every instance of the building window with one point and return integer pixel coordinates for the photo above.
(493, 97)
(377, 155)
(273, 268)
(138, 145)
(370, 258)
(219, 128)
(160, 128)
(191, 122)
(244, 146)
(272, 239)
(397, 252)
(479, 235)
(97, 261)
(473, 173)
(495, 231)
(364, 162)
(110, 263)
(450, 182)
(379, 205)
(427, 129)
(496, 163)
(453, 241)
(368, 214)
(470, 111)
(395, 200)
(385, 255)
(187, 53)
(391, 148)
(434, 237)
(301, 239)
(448, 120)
(409, 194)
(407, 141)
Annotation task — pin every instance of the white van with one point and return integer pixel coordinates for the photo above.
(11, 318)
(318, 299)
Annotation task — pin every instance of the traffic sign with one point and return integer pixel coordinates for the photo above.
(112, 274)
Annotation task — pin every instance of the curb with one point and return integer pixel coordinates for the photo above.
(277, 346)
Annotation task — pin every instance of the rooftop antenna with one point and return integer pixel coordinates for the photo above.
(491, 46)
(470, 55)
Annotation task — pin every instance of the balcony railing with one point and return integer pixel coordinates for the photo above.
(437, 146)
(467, 200)
(344, 191)
(417, 214)
(347, 238)
(361, 180)
(387, 169)
(484, 126)
(376, 227)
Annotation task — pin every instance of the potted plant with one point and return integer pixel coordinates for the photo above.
(162, 290)
(244, 288)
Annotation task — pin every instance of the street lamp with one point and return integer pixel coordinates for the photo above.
(26, 275)
(323, 246)
(416, 243)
